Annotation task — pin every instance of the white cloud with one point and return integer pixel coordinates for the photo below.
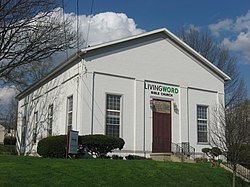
(216, 28)
(237, 37)
(192, 27)
(111, 26)
(6, 94)
(242, 22)
(104, 27)
(241, 44)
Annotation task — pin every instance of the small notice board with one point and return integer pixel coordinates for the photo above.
(73, 142)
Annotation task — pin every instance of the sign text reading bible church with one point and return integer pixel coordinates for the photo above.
(161, 89)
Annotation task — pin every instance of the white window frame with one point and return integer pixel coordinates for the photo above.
(204, 121)
(69, 111)
(50, 119)
(119, 112)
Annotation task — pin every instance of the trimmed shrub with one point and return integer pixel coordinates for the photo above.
(104, 157)
(200, 160)
(100, 145)
(215, 151)
(8, 149)
(117, 157)
(206, 150)
(9, 140)
(53, 146)
(212, 153)
(136, 157)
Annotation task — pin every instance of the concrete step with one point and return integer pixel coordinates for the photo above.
(170, 157)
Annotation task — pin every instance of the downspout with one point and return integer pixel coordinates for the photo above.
(188, 112)
(93, 102)
(144, 121)
(77, 92)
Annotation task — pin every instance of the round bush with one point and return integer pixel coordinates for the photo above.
(100, 144)
(216, 151)
(206, 150)
(117, 157)
(9, 140)
(53, 146)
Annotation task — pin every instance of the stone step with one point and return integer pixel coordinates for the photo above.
(170, 157)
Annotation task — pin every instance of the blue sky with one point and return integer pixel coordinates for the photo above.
(227, 20)
(152, 14)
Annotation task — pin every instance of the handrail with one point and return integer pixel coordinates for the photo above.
(175, 148)
(187, 148)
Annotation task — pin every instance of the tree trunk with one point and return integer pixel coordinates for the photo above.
(234, 175)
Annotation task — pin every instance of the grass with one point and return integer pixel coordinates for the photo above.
(33, 171)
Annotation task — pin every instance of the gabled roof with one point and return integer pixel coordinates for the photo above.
(80, 53)
(171, 36)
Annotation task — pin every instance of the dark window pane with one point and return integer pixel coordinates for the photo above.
(113, 115)
(202, 123)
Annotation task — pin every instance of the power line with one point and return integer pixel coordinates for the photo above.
(79, 74)
(64, 30)
(90, 15)
(77, 23)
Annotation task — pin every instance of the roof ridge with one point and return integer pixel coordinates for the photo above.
(125, 39)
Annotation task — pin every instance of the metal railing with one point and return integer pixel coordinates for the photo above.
(187, 149)
(175, 148)
(183, 148)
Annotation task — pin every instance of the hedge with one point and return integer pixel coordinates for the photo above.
(9, 140)
(8, 149)
(136, 157)
(100, 145)
(53, 146)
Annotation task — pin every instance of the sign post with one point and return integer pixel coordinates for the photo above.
(72, 142)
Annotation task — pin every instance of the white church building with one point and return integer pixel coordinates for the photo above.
(151, 89)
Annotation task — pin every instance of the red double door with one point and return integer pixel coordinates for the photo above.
(161, 126)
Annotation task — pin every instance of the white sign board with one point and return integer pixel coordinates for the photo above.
(161, 89)
(73, 142)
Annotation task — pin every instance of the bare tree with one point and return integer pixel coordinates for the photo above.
(230, 128)
(30, 73)
(11, 115)
(204, 44)
(230, 132)
(30, 32)
(35, 123)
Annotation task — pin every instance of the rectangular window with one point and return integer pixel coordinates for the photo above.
(50, 120)
(70, 110)
(113, 115)
(202, 122)
(35, 127)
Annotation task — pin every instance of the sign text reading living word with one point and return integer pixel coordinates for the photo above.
(162, 90)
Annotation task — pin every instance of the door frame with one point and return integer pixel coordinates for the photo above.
(171, 118)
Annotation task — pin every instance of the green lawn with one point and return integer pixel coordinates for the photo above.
(33, 171)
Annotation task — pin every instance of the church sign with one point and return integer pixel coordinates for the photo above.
(161, 89)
